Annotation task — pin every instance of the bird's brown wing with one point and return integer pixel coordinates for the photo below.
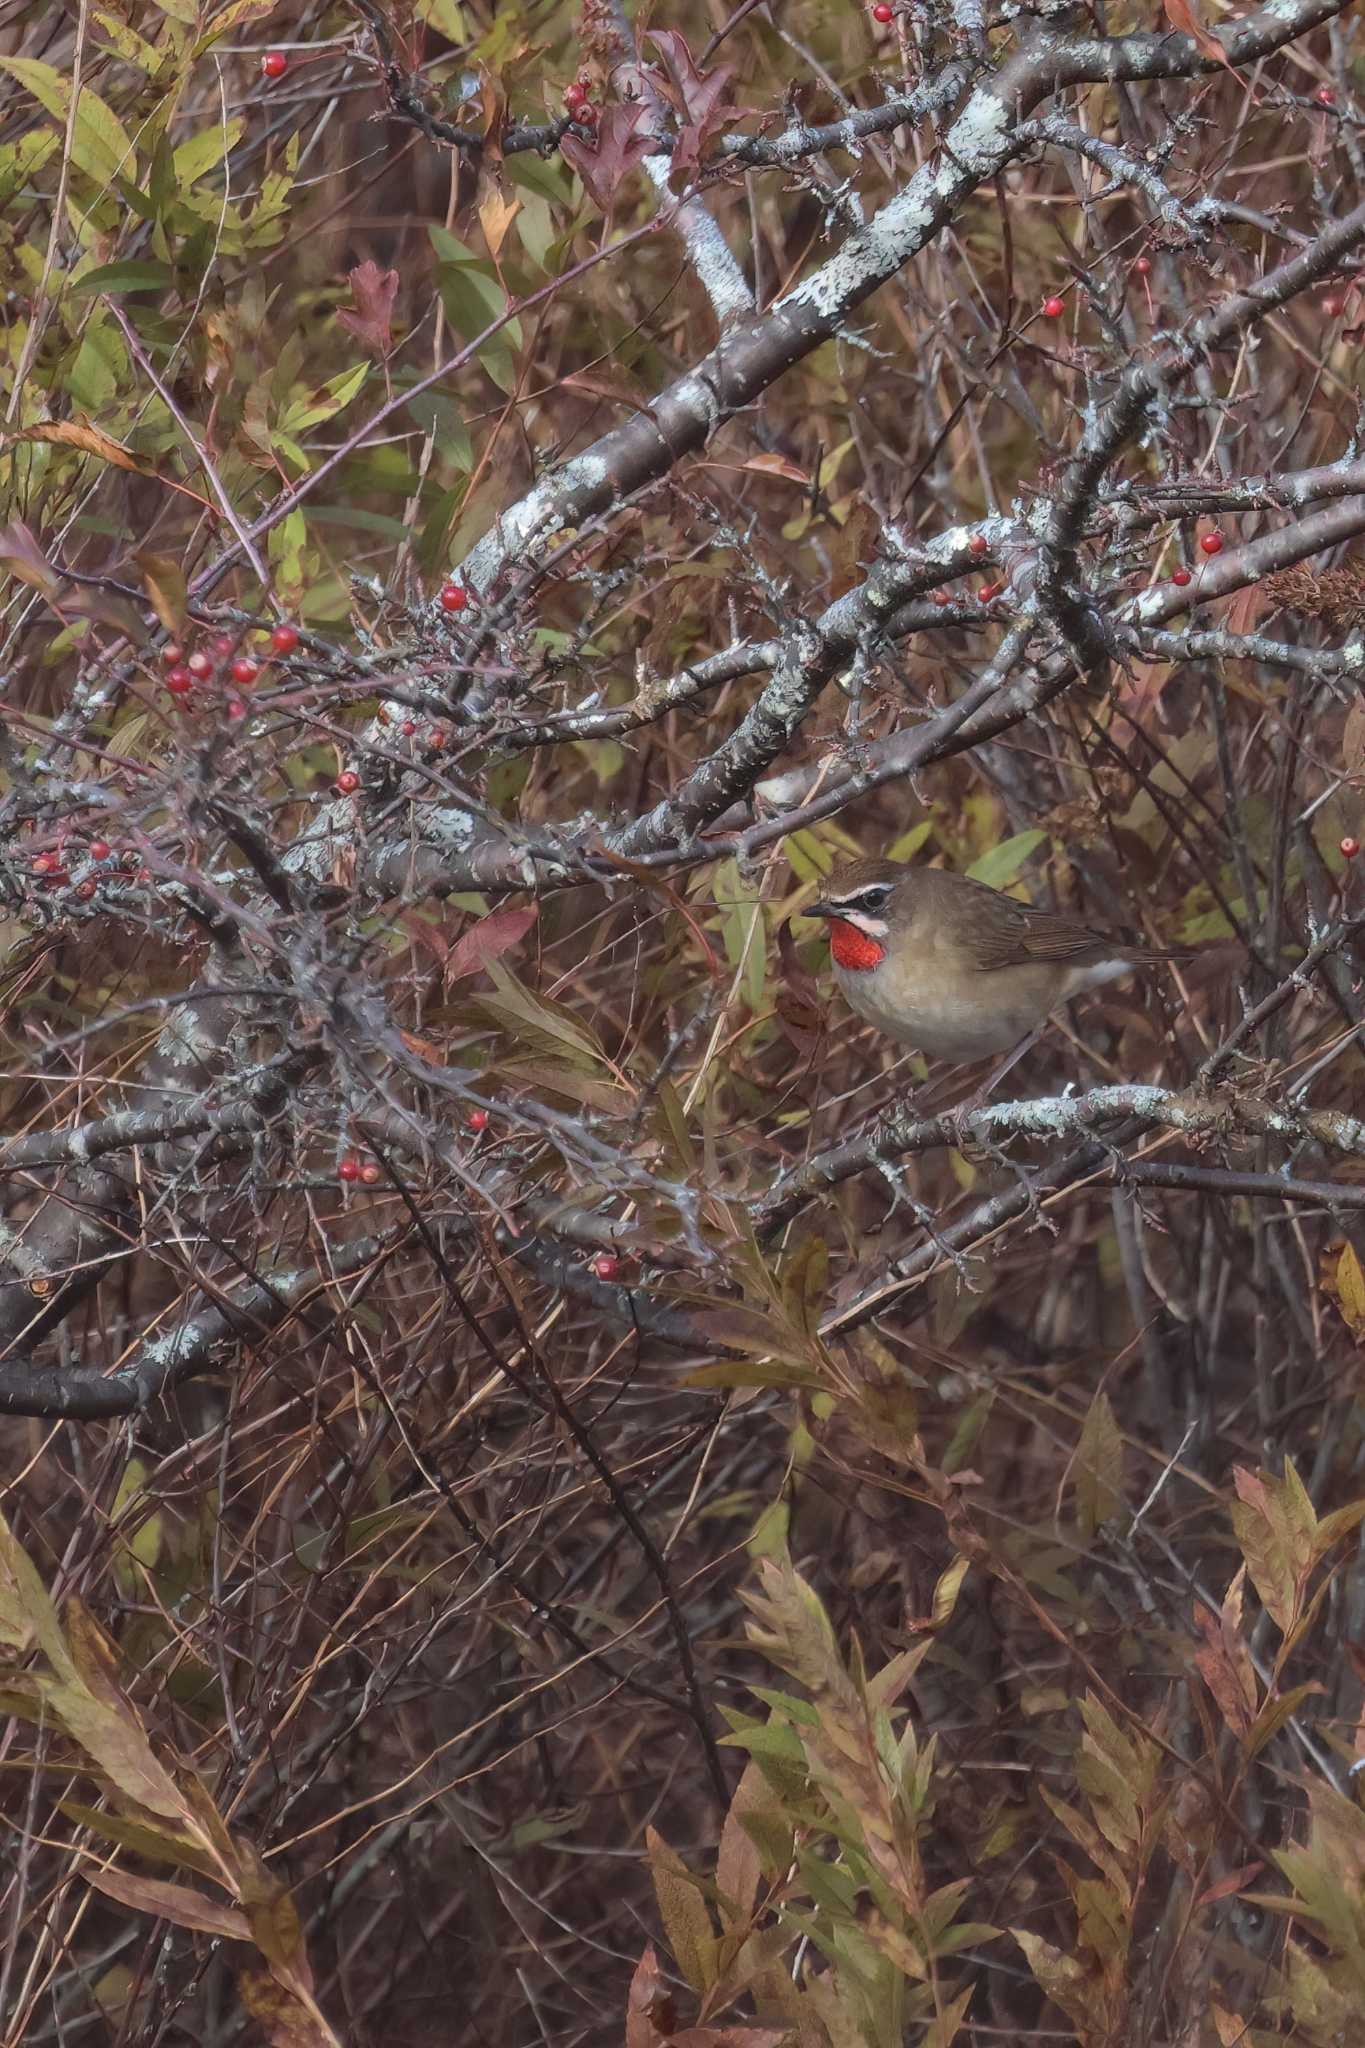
(1003, 933)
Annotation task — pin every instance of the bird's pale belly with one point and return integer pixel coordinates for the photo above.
(940, 1016)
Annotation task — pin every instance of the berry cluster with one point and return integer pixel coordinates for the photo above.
(97, 861)
(578, 105)
(352, 1169)
(225, 657)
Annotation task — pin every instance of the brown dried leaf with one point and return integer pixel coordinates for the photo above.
(738, 1866)
(1224, 1661)
(286, 2020)
(174, 1902)
(90, 441)
(163, 579)
(374, 291)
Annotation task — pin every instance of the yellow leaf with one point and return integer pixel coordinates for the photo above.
(1351, 1290)
(496, 215)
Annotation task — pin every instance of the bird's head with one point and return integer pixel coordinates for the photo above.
(863, 905)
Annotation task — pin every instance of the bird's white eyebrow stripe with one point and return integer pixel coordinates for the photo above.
(870, 897)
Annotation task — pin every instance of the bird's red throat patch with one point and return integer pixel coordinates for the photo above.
(854, 948)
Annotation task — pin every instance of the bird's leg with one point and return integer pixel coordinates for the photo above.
(994, 1078)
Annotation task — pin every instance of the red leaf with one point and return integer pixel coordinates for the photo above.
(697, 96)
(602, 166)
(1226, 1886)
(487, 939)
(22, 556)
(1181, 15)
(650, 2017)
(374, 291)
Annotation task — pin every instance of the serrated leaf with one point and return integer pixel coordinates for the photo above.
(683, 1911)
(1099, 1467)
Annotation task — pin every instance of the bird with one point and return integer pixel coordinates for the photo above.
(956, 969)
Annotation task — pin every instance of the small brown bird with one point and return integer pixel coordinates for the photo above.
(953, 968)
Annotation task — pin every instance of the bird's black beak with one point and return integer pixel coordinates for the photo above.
(820, 909)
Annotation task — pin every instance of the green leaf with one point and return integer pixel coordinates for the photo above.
(324, 402)
(132, 275)
(205, 150)
(1002, 863)
(910, 842)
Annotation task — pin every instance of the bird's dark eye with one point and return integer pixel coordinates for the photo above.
(871, 899)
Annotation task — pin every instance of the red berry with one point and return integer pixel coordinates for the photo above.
(223, 643)
(235, 708)
(1212, 543)
(274, 64)
(1143, 266)
(180, 682)
(1334, 305)
(1180, 577)
(284, 639)
(477, 1120)
(979, 545)
(585, 113)
(200, 665)
(171, 654)
(245, 670)
(85, 890)
(1325, 96)
(574, 94)
(347, 783)
(349, 1168)
(606, 1265)
(454, 597)
(1350, 848)
(45, 863)
(1053, 308)
(883, 13)
(371, 1174)
(99, 849)
(943, 597)
(436, 738)
(989, 591)
(408, 728)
